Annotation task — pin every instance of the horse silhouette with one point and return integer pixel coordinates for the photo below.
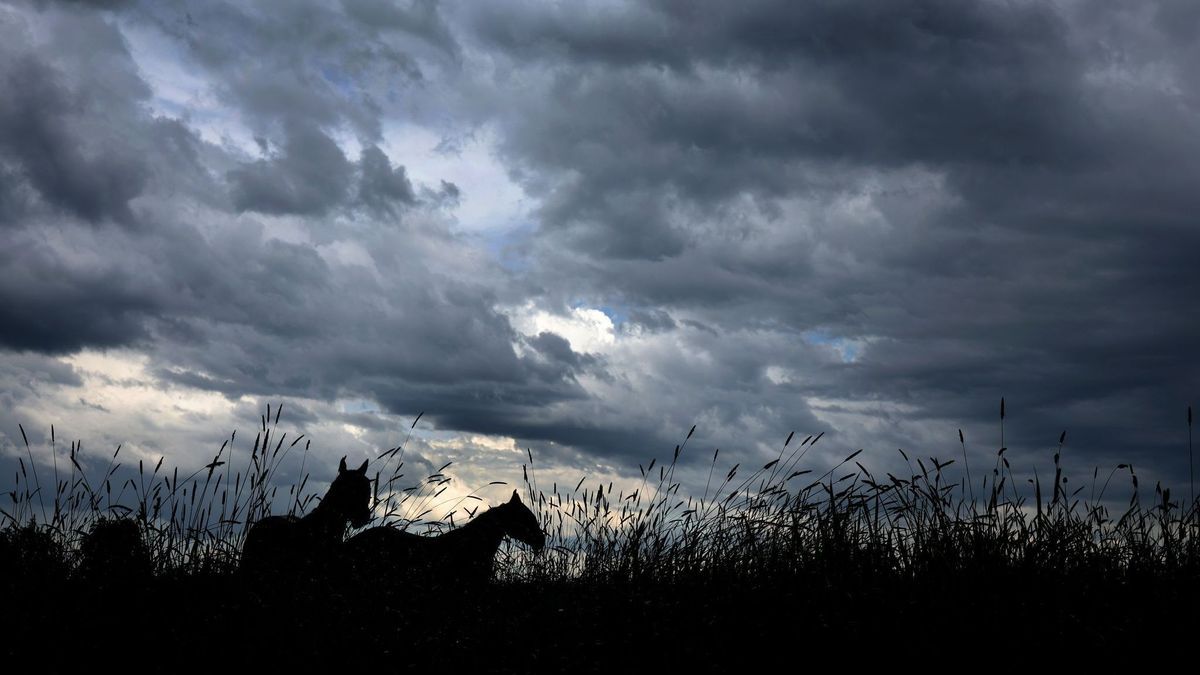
(464, 555)
(113, 554)
(288, 547)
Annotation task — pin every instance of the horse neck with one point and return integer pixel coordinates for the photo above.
(485, 531)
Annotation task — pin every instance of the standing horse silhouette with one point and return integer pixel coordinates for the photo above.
(465, 555)
(290, 547)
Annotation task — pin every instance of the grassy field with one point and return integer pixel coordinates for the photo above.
(770, 560)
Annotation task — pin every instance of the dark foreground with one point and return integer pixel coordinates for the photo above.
(200, 621)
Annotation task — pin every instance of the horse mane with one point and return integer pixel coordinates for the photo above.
(511, 518)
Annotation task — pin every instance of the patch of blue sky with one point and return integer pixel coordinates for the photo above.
(506, 245)
(337, 77)
(848, 349)
(617, 313)
(359, 405)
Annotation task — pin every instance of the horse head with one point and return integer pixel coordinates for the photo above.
(350, 494)
(520, 523)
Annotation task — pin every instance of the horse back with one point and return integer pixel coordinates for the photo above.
(383, 547)
(393, 557)
(384, 541)
(273, 543)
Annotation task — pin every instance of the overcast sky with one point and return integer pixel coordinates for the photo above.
(583, 227)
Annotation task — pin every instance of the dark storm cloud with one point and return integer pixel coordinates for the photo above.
(383, 187)
(723, 99)
(46, 306)
(788, 208)
(651, 319)
(52, 132)
(1023, 170)
(359, 304)
(31, 369)
(99, 4)
(275, 317)
(557, 349)
(76, 147)
(421, 19)
(308, 177)
(319, 63)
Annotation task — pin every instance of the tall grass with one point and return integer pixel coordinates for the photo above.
(195, 522)
(776, 522)
(781, 522)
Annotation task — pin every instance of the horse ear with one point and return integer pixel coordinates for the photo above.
(363, 468)
(342, 466)
(516, 498)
